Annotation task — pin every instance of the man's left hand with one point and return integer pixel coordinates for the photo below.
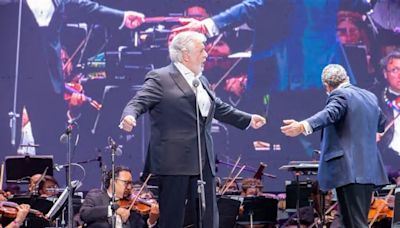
(133, 19)
(257, 121)
(154, 213)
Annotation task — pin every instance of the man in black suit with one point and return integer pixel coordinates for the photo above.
(41, 82)
(169, 95)
(96, 209)
(389, 98)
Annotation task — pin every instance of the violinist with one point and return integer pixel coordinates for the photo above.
(48, 187)
(44, 187)
(96, 210)
(251, 187)
(20, 216)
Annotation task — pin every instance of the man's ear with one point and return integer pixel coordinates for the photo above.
(385, 74)
(185, 55)
(327, 87)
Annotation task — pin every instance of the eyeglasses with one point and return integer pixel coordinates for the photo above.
(393, 71)
(126, 182)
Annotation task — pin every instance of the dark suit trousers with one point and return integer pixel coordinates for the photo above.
(354, 201)
(173, 192)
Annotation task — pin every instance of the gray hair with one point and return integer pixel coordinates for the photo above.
(334, 75)
(184, 41)
(389, 57)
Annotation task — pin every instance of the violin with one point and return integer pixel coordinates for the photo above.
(136, 202)
(142, 206)
(379, 210)
(10, 209)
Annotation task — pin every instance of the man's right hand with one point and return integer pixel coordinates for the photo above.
(190, 24)
(128, 123)
(124, 213)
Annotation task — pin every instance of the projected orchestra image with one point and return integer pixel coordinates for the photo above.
(207, 114)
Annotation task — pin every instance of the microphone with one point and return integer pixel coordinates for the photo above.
(114, 146)
(195, 83)
(64, 137)
(58, 167)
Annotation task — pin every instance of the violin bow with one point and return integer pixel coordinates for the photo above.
(231, 173)
(326, 213)
(231, 182)
(140, 191)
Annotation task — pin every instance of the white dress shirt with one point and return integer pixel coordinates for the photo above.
(118, 220)
(42, 11)
(203, 99)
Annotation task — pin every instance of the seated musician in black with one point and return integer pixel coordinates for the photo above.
(310, 215)
(96, 209)
(251, 187)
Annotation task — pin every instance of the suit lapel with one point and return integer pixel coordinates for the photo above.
(182, 84)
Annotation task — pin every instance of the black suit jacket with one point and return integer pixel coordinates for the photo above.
(170, 102)
(94, 212)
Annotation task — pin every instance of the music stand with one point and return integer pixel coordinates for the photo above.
(28, 166)
(258, 210)
(228, 210)
(61, 202)
(301, 168)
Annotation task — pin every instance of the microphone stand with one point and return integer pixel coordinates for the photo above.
(68, 133)
(114, 148)
(200, 182)
(14, 115)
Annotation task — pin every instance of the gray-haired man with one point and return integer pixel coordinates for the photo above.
(350, 161)
(168, 94)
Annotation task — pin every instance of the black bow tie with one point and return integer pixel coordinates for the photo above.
(392, 96)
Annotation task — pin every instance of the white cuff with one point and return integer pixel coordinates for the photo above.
(123, 21)
(150, 225)
(211, 27)
(109, 213)
(307, 128)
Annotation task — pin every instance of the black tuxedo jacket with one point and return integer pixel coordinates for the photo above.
(170, 102)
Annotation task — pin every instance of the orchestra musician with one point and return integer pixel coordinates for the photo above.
(20, 216)
(48, 187)
(310, 216)
(44, 187)
(96, 210)
(251, 187)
